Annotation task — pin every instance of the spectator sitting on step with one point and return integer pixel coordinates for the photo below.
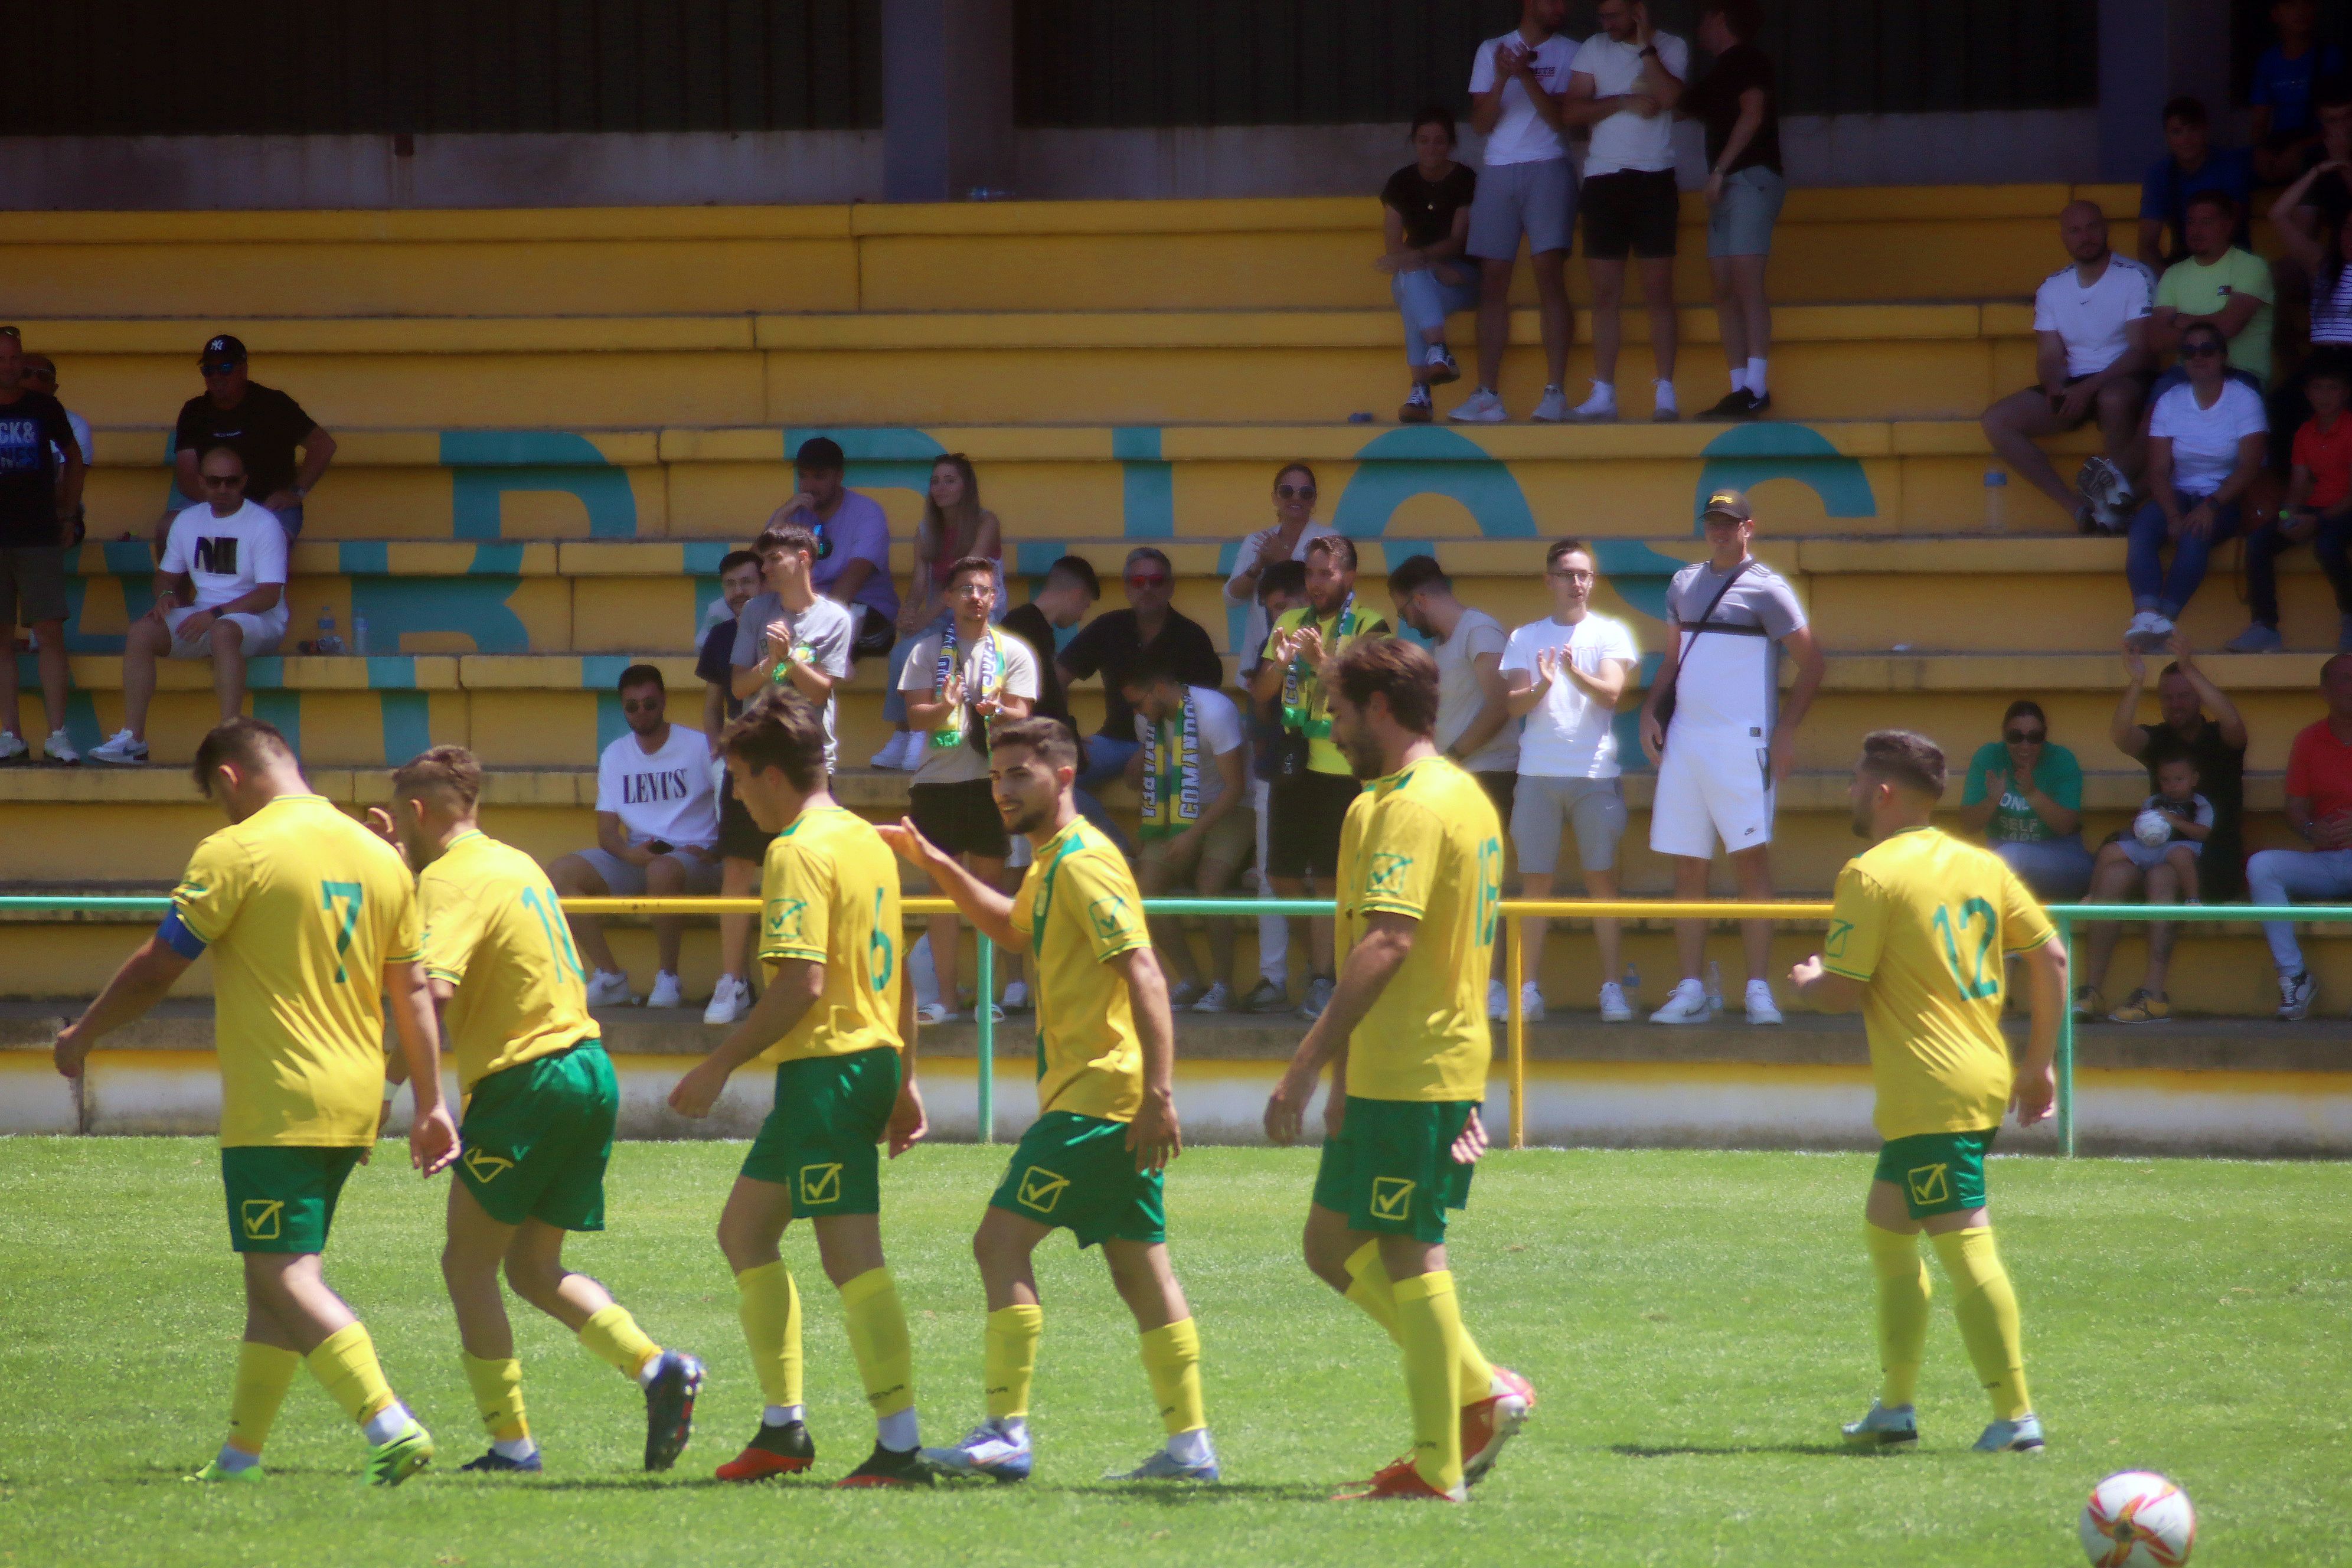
(954, 525)
(263, 423)
(2167, 871)
(2318, 511)
(41, 473)
(1281, 589)
(2220, 284)
(2319, 809)
(41, 375)
(2206, 443)
(2218, 745)
(2190, 165)
(2093, 361)
(853, 544)
(1425, 221)
(1119, 641)
(234, 554)
(1294, 529)
(657, 836)
(1738, 100)
(1196, 824)
(2288, 77)
(2025, 793)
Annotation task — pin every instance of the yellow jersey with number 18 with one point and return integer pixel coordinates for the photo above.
(1425, 842)
(301, 908)
(1924, 922)
(493, 930)
(830, 892)
(1079, 908)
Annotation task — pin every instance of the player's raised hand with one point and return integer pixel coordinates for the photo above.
(1473, 1141)
(2035, 1095)
(1154, 1136)
(907, 1121)
(907, 840)
(698, 1091)
(433, 1141)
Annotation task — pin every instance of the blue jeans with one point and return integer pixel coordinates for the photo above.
(1107, 758)
(2277, 876)
(2055, 870)
(2168, 591)
(1425, 300)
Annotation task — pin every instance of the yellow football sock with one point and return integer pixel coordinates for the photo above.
(345, 1365)
(264, 1373)
(1010, 1358)
(878, 1338)
(497, 1394)
(1986, 1305)
(1171, 1359)
(1371, 1291)
(769, 1304)
(1429, 1331)
(613, 1337)
(1903, 1292)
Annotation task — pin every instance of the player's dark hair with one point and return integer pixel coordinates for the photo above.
(967, 564)
(2022, 708)
(792, 535)
(1903, 758)
(1339, 547)
(1079, 570)
(243, 742)
(2187, 109)
(779, 728)
(1049, 740)
(734, 558)
(1288, 577)
(1396, 670)
(1570, 546)
(641, 675)
(1414, 573)
(447, 769)
(1744, 17)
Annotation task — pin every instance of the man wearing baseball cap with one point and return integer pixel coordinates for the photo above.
(262, 422)
(853, 544)
(1710, 724)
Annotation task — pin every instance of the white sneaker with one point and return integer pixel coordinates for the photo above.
(729, 1002)
(1531, 1005)
(124, 750)
(1601, 408)
(1667, 410)
(1498, 1002)
(13, 748)
(1553, 407)
(2148, 632)
(1614, 1009)
(665, 990)
(1219, 999)
(1685, 1004)
(60, 749)
(1481, 408)
(606, 988)
(1761, 1009)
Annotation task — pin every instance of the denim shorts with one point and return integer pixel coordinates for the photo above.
(1741, 222)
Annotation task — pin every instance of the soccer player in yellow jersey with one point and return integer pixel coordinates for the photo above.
(312, 922)
(838, 1022)
(1094, 1160)
(1420, 889)
(1917, 939)
(541, 1103)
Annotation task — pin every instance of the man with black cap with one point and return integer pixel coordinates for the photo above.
(853, 544)
(1709, 723)
(264, 425)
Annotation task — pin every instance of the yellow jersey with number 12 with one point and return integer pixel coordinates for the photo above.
(493, 930)
(830, 895)
(301, 908)
(1924, 922)
(1079, 908)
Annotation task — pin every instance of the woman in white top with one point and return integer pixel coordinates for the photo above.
(1294, 529)
(954, 525)
(2206, 442)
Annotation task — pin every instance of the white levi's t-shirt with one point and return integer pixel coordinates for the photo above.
(2205, 440)
(1625, 140)
(664, 795)
(2091, 322)
(1569, 736)
(1459, 698)
(228, 557)
(1729, 675)
(1521, 134)
(1218, 723)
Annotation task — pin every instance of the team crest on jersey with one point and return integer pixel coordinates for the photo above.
(1041, 1189)
(1392, 1198)
(1834, 946)
(486, 1166)
(1386, 872)
(785, 917)
(1930, 1185)
(263, 1218)
(821, 1184)
(1110, 916)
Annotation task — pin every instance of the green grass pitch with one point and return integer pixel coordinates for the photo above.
(1697, 1324)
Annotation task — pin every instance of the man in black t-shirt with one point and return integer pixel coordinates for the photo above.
(262, 423)
(1069, 591)
(1739, 102)
(1115, 643)
(37, 495)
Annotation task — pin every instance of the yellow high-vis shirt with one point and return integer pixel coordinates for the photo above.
(1304, 707)
(301, 908)
(1924, 922)
(1425, 842)
(831, 888)
(493, 930)
(1079, 908)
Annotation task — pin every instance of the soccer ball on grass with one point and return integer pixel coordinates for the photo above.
(2136, 1518)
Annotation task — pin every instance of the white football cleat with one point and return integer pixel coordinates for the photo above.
(2022, 1435)
(1685, 1004)
(988, 1451)
(1883, 1428)
(1493, 1421)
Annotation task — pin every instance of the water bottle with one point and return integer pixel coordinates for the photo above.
(1714, 987)
(359, 636)
(1996, 488)
(1631, 986)
(328, 641)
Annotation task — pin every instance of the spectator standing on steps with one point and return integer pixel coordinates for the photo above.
(41, 474)
(2317, 510)
(954, 525)
(853, 544)
(1739, 102)
(1731, 616)
(1294, 529)
(2199, 721)
(1629, 78)
(2288, 76)
(2319, 810)
(41, 375)
(1425, 221)
(2191, 163)
(264, 425)
(739, 582)
(2025, 793)
(1527, 187)
(1281, 589)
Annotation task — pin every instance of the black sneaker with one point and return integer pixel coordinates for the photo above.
(1738, 403)
(669, 1408)
(890, 1468)
(784, 1450)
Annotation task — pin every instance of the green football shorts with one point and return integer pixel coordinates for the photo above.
(1392, 1169)
(820, 1140)
(281, 1197)
(1939, 1172)
(1076, 1173)
(536, 1138)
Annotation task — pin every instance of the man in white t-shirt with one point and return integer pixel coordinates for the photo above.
(1629, 77)
(1526, 186)
(1197, 825)
(234, 555)
(2093, 361)
(1566, 674)
(657, 836)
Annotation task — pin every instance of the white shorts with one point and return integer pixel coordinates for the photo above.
(262, 635)
(1712, 785)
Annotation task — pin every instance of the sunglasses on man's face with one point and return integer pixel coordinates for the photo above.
(224, 368)
(2026, 737)
(2202, 351)
(641, 705)
(224, 481)
(1146, 580)
(1294, 492)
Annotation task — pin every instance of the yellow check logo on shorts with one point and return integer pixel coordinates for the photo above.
(261, 1217)
(1930, 1185)
(1041, 1189)
(485, 1166)
(821, 1184)
(1391, 1197)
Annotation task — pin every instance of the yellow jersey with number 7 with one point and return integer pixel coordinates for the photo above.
(829, 894)
(1926, 923)
(301, 908)
(493, 930)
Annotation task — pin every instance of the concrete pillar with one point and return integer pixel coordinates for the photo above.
(947, 98)
(2152, 50)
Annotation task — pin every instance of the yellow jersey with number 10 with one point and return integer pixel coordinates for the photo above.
(830, 892)
(493, 930)
(1079, 908)
(302, 908)
(1924, 922)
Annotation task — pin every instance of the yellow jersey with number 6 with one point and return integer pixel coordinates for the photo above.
(493, 930)
(301, 908)
(1924, 922)
(829, 893)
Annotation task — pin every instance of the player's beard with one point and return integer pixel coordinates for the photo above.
(1364, 759)
(1861, 828)
(1026, 819)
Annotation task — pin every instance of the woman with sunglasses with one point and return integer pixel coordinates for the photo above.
(1294, 529)
(2025, 793)
(2207, 441)
(954, 526)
